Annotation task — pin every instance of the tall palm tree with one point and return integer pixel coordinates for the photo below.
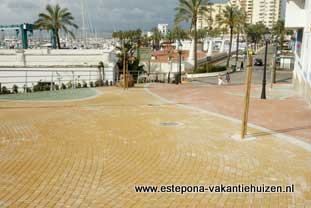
(279, 32)
(255, 33)
(56, 19)
(229, 19)
(189, 11)
(240, 28)
(179, 33)
(156, 38)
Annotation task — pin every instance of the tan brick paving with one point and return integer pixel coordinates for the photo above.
(91, 153)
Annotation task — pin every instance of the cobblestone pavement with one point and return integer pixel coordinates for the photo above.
(91, 153)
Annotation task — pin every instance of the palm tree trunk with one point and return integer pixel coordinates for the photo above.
(57, 39)
(237, 48)
(230, 47)
(195, 45)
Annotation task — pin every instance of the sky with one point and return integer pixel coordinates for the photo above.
(104, 15)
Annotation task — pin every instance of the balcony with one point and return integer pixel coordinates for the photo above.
(295, 14)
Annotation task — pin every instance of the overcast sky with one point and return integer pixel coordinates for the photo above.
(105, 15)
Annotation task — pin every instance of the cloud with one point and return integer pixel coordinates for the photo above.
(104, 15)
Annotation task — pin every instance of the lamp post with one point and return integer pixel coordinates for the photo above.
(180, 53)
(267, 38)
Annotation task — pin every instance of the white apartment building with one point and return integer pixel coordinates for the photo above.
(266, 11)
(298, 17)
(163, 28)
(247, 5)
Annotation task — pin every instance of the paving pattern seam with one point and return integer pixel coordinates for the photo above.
(296, 141)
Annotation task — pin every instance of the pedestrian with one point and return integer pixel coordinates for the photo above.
(220, 80)
(228, 78)
(242, 66)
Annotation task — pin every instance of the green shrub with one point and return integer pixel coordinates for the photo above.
(5, 90)
(15, 89)
(213, 68)
(91, 84)
(84, 84)
(56, 87)
(63, 86)
(69, 85)
(208, 68)
(42, 86)
(28, 90)
(99, 83)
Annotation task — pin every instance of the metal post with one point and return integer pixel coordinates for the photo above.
(52, 82)
(26, 80)
(73, 79)
(124, 62)
(89, 76)
(248, 83)
(179, 77)
(264, 79)
(273, 71)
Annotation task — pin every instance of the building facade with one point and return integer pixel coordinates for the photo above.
(163, 29)
(247, 5)
(210, 20)
(266, 11)
(298, 16)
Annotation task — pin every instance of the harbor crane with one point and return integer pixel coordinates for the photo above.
(24, 29)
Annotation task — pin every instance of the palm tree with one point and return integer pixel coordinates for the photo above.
(56, 19)
(230, 19)
(255, 33)
(279, 31)
(189, 10)
(156, 38)
(240, 28)
(179, 33)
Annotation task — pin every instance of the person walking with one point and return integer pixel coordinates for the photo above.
(228, 79)
(242, 66)
(220, 80)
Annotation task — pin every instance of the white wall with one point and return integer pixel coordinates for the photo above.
(158, 67)
(295, 14)
(298, 15)
(60, 65)
(30, 76)
(43, 57)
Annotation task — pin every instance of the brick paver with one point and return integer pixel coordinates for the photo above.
(283, 111)
(91, 153)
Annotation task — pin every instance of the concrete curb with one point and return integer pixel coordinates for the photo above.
(98, 93)
(296, 141)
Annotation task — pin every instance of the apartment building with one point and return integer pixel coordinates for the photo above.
(163, 29)
(266, 11)
(210, 20)
(247, 5)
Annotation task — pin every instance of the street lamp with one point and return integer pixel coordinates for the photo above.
(267, 38)
(179, 47)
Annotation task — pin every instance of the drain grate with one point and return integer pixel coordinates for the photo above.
(170, 124)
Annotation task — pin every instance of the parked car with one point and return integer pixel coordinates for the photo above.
(258, 62)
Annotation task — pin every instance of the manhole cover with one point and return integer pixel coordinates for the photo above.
(170, 124)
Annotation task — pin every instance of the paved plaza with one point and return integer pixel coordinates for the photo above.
(92, 152)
